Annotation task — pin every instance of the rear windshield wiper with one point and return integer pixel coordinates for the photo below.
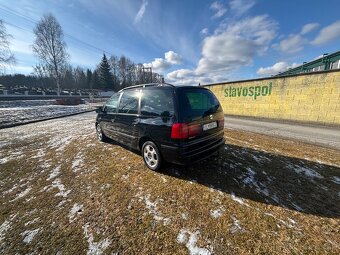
(211, 110)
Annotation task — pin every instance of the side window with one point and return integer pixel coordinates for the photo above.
(112, 103)
(157, 101)
(129, 102)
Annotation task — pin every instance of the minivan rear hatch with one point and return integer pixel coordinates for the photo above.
(200, 110)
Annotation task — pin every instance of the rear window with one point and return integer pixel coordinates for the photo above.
(195, 103)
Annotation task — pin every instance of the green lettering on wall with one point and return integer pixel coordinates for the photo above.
(233, 93)
(253, 91)
(226, 93)
(245, 92)
(239, 91)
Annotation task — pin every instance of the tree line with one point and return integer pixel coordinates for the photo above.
(53, 70)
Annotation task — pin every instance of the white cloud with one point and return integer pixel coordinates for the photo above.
(219, 9)
(275, 69)
(309, 27)
(292, 44)
(141, 12)
(328, 33)
(173, 58)
(204, 31)
(190, 77)
(241, 7)
(236, 45)
(231, 46)
(160, 64)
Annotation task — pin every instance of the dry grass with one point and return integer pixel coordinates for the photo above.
(268, 195)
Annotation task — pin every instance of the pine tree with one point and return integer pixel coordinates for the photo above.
(95, 80)
(88, 79)
(105, 75)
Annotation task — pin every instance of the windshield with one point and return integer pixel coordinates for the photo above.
(196, 103)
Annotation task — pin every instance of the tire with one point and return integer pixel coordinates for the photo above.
(100, 135)
(151, 156)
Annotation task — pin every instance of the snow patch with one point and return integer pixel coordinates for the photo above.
(238, 199)
(32, 221)
(236, 227)
(190, 240)
(77, 163)
(55, 172)
(75, 211)
(62, 191)
(335, 179)
(5, 226)
(217, 213)
(152, 207)
(22, 194)
(251, 181)
(184, 216)
(29, 235)
(310, 173)
(95, 248)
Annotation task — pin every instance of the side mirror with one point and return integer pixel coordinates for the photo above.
(99, 109)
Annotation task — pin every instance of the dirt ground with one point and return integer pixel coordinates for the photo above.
(63, 192)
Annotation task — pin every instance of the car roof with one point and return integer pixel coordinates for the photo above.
(159, 85)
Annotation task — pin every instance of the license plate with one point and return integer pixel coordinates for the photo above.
(209, 126)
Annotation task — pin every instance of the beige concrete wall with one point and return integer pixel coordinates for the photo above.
(312, 97)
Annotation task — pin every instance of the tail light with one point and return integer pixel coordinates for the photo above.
(183, 131)
(221, 122)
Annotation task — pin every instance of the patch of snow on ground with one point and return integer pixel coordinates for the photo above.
(238, 199)
(32, 221)
(55, 172)
(62, 191)
(184, 216)
(29, 235)
(95, 248)
(251, 181)
(190, 240)
(152, 207)
(13, 156)
(5, 226)
(310, 173)
(298, 208)
(11, 189)
(77, 163)
(236, 226)
(216, 213)
(335, 179)
(76, 210)
(22, 194)
(40, 153)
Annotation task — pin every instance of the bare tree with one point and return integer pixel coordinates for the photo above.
(49, 46)
(6, 56)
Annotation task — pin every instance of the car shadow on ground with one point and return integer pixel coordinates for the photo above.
(292, 183)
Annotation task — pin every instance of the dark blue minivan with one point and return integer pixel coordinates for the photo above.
(177, 124)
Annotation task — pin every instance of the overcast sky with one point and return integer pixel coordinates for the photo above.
(190, 41)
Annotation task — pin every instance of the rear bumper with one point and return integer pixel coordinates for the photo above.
(193, 152)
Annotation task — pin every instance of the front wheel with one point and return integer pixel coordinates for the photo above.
(100, 135)
(152, 157)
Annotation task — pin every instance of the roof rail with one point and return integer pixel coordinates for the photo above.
(147, 85)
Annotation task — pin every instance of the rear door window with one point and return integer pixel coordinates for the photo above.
(157, 102)
(129, 102)
(196, 103)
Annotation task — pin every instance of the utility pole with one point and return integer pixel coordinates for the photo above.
(147, 74)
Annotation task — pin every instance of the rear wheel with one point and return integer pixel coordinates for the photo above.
(100, 135)
(152, 157)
